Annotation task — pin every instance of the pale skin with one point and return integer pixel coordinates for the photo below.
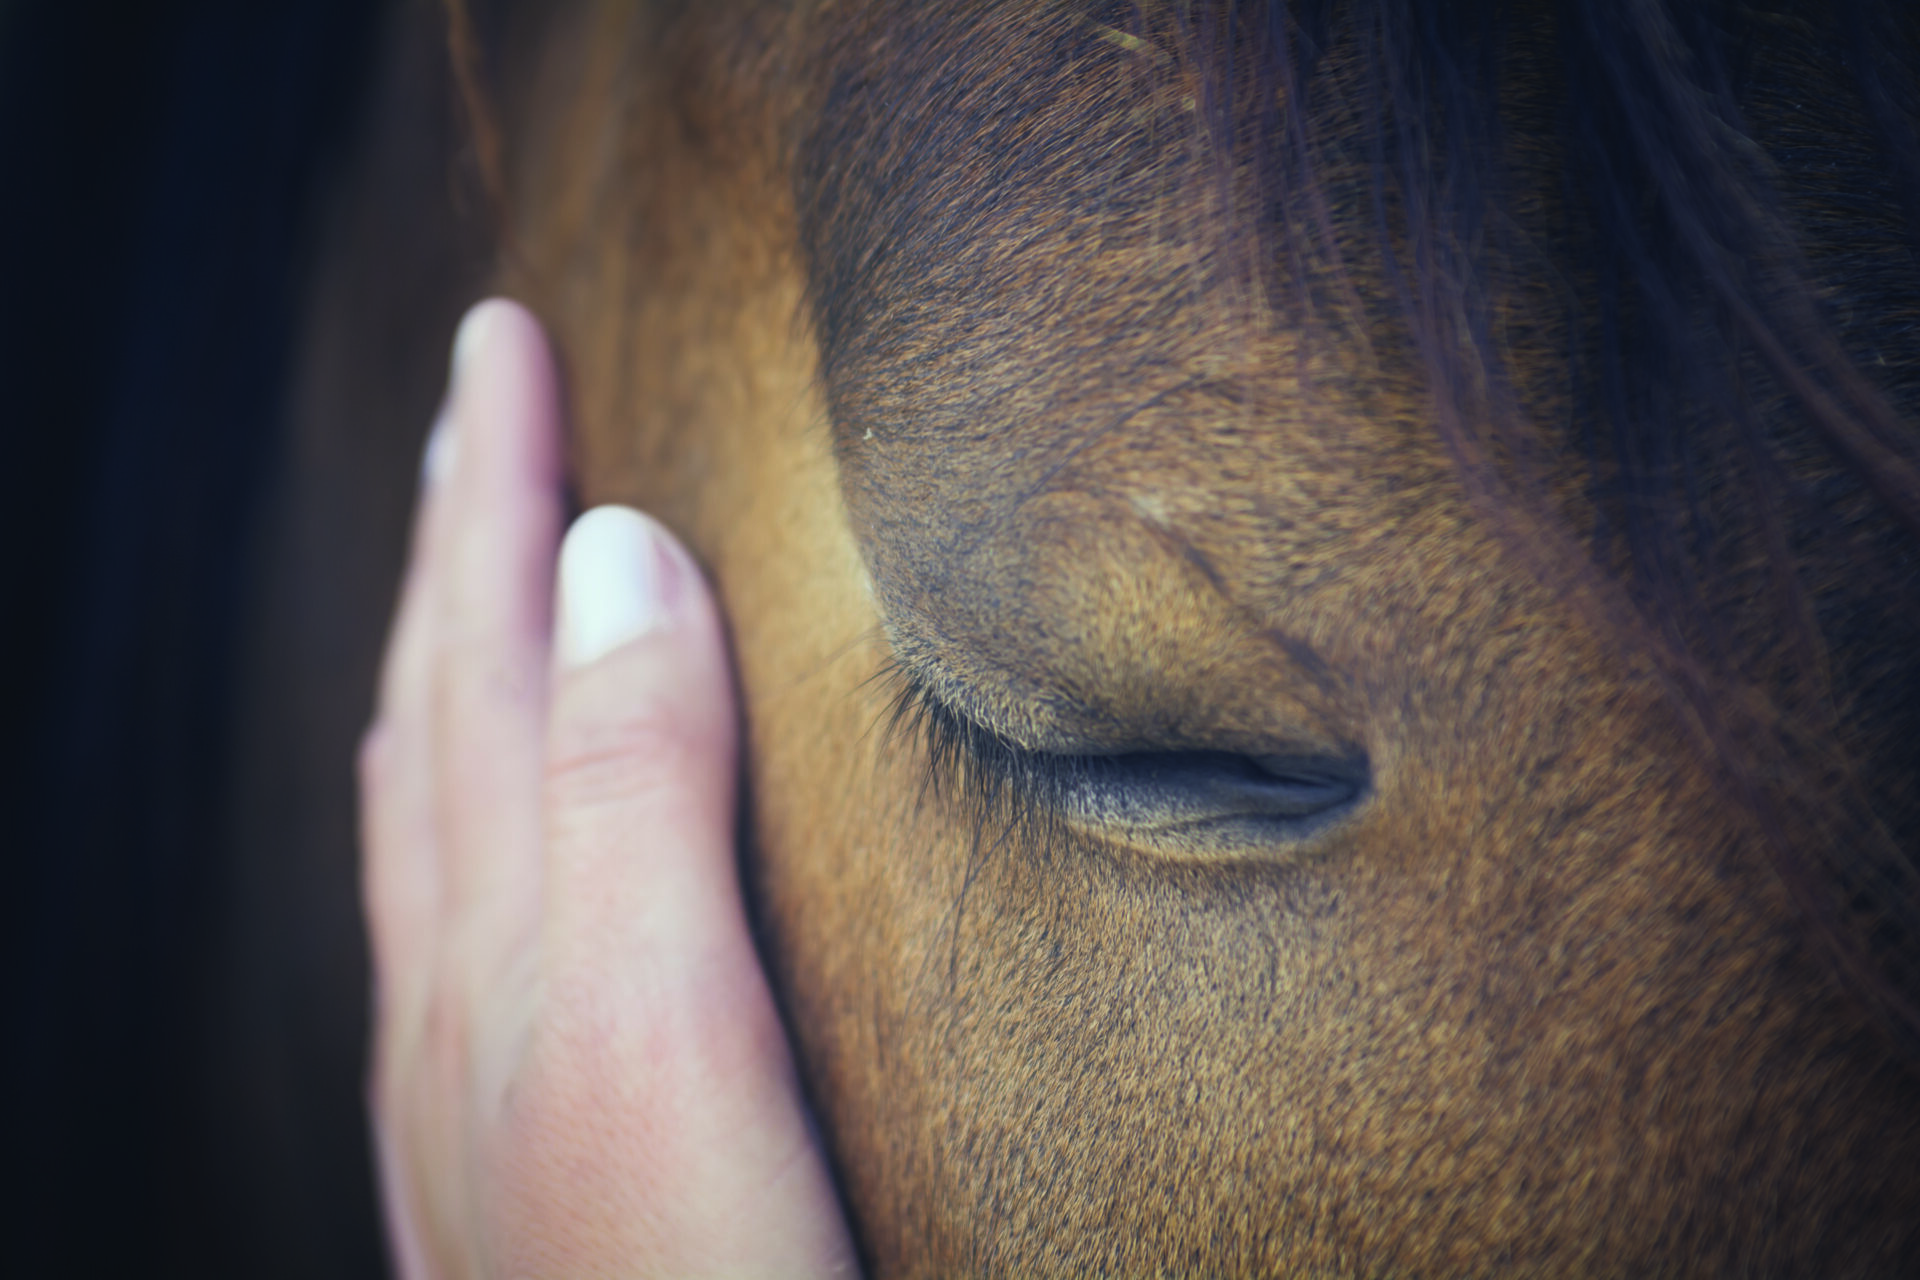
(578, 1066)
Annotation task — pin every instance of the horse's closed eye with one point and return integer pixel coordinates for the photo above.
(1183, 804)
(1172, 790)
(1209, 803)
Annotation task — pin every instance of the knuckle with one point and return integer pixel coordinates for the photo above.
(473, 680)
(631, 741)
(624, 762)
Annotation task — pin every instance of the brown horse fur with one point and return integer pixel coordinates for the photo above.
(1042, 385)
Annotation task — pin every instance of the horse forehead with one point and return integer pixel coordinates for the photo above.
(1016, 298)
(1205, 472)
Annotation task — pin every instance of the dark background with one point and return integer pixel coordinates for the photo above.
(160, 168)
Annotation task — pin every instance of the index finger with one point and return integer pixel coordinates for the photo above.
(492, 603)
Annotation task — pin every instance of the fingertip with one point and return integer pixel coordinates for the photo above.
(502, 386)
(619, 579)
(642, 691)
(472, 333)
(472, 337)
(486, 323)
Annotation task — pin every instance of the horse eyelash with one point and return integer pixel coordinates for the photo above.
(990, 780)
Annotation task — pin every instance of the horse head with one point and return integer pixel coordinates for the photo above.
(1324, 597)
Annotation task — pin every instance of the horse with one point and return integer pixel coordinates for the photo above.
(1324, 596)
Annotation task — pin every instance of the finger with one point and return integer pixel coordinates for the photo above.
(398, 840)
(649, 970)
(492, 601)
(399, 876)
(406, 661)
(641, 731)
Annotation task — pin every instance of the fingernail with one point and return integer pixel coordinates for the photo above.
(436, 460)
(616, 583)
(470, 337)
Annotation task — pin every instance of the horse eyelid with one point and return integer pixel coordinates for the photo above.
(969, 765)
(955, 742)
(994, 781)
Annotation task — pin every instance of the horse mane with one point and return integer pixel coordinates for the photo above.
(1740, 367)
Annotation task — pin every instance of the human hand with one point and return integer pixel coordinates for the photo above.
(578, 1067)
